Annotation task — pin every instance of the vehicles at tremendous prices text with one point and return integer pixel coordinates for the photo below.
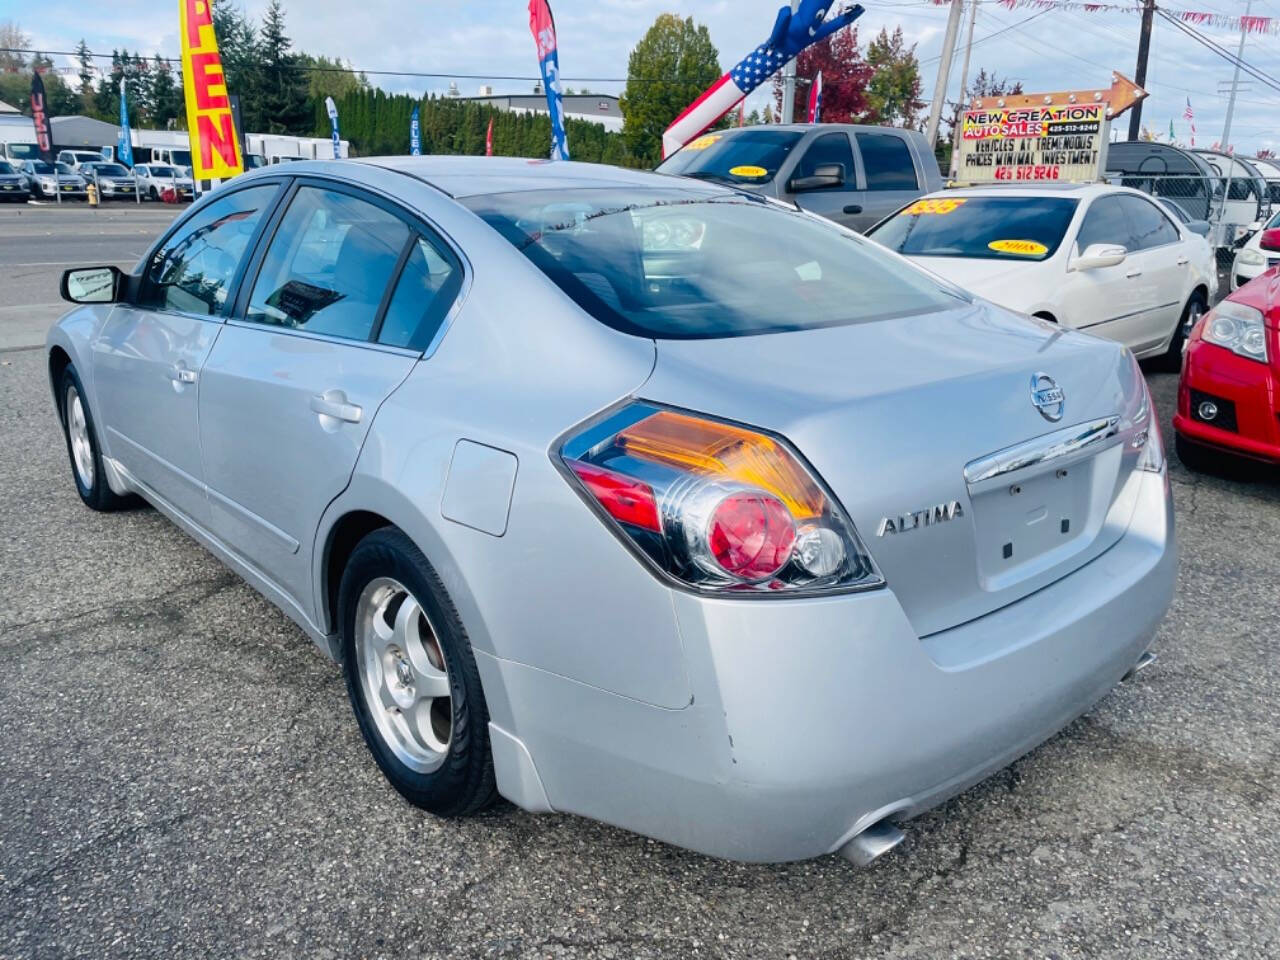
(114, 182)
(14, 185)
(49, 179)
(1087, 256)
(1229, 394)
(1253, 259)
(558, 557)
(154, 179)
(848, 173)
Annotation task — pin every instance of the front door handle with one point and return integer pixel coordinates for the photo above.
(181, 373)
(853, 208)
(1183, 261)
(1133, 273)
(333, 403)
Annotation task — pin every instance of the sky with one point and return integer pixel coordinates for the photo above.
(1056, 50)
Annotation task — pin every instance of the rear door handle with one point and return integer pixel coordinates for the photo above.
(333, 403)
(181, 373)
(1133, 273)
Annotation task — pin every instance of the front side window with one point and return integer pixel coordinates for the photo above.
(1105, 222)
(328, 265)
(1148, 227)
(424, 293)
(828, 150)
(193, 271)
(886, 160)
(693, 263)
(746, 157)
(978, 228)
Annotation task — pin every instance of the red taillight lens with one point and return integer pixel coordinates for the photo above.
(750, 535)
(624, 499)
(716, 506)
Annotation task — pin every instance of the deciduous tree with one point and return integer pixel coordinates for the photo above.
(893, 94)
(845, 76)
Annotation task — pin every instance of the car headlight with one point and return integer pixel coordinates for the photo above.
(1238, 328)
(1252, 258)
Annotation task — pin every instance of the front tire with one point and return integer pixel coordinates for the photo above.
(412, 678)
(1191, 314)
(81, 434)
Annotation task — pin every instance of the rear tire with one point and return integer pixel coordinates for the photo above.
(1191, 314)
(81, 434)
(412, 679)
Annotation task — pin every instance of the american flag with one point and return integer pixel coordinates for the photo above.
(1190, 116)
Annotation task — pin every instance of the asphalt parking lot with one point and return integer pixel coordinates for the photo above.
(180, 774)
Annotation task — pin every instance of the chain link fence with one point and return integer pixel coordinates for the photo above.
(1233, 208)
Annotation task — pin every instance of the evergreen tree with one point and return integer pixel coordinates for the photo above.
(166, 94)
(672, 64)
(284, 86)
(85, 61)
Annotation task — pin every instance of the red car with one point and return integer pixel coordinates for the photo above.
(1229, 393)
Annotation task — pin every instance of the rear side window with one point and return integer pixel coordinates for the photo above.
(1148, 226)
(427, 287)
(886, 160)
(1105, 222)
(328, 265)
(828, 149)
(192, 272)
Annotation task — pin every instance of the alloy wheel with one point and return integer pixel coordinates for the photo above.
(78, 431)
(403, 674)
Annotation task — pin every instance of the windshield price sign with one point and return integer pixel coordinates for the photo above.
(1059, 142)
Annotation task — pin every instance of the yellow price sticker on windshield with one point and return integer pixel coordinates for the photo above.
(703, 142)
(1023, 248)
(932, 206)
(746, 170)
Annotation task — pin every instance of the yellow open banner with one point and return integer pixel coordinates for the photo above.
(215, 148)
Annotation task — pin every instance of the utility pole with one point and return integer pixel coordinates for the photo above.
(1235, 83)
(964, 73)
(1140, 71)
(789, 81)
(944, 71)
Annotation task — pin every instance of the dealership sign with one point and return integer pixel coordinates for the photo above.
(215, 149)
(1040, 137)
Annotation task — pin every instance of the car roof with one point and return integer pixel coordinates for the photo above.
(468, 176)
(1079, 190)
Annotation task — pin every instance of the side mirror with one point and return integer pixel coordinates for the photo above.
(824, 177)
(1270, 240)
(92, 285)
(1099, 255)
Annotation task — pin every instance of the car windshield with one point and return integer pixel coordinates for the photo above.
(7, 168)
(979, 228)
(23, 151)
(110, 170)
(39, 166)
(163, 171)
(746, 157)
(689, 264)
(63, 168)
(182, 158)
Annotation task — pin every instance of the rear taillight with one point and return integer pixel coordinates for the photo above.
(716, 506)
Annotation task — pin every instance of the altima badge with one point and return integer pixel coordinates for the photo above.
(1047, 396)
(939, 513)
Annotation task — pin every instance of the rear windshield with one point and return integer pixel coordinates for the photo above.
(688, 264)
(980, 228)
(749, 157)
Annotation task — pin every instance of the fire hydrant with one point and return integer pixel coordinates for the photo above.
(92, 191)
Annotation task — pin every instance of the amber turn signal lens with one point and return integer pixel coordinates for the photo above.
(711, 449)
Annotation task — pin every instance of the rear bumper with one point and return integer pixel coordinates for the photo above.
(812, 720)
(1250, 387)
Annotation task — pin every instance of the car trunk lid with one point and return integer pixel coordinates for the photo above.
(891, 413)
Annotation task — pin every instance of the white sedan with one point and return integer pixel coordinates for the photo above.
(1088, 256)
(1251, 260)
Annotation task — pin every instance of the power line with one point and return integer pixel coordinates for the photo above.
(1221, 51)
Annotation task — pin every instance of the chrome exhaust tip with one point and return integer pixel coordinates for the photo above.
(1144, 661)
(872, 843)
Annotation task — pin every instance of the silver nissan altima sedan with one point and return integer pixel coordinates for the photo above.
(632, 496)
